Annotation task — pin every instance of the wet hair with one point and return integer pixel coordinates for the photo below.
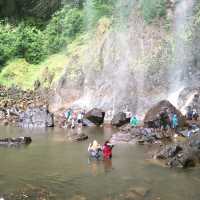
(106, 142)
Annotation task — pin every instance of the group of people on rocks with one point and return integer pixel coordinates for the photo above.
(165, 120)
(74, 118)
(192, 114)
(97, 151)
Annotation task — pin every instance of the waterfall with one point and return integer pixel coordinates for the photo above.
(180, 61)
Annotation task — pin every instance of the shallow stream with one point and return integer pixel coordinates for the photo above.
(63, 168)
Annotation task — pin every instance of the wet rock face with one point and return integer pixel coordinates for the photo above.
(120, 119)
(139, 136)
(36, 118)
(96, 116)
(189, 99)
(154, 112)
(182, 155)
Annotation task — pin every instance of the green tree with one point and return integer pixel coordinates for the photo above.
(31, 43)
(63, 28)
(8, 42)
(152, 9)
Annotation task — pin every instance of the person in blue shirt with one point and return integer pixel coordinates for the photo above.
(134, 121)
(174, 122)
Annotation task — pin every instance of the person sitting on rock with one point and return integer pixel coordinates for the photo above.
(134, 121)
(107, 150)
(94, 150)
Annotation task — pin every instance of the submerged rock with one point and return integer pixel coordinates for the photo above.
(78, 137)
(29, 192)
(10, 142)
(96, 116)
(139, 135)
(36, 118)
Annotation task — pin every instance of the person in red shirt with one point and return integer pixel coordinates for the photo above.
(107, 150)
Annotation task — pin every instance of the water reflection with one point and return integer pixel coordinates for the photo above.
(107, 165)
(98, 166)
(94, 167)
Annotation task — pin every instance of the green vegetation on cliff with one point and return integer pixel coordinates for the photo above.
(40, 38)
(152, 9)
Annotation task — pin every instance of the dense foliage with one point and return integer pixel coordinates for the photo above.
(63, 28)
(9, 42)
(152, 9)
(36, 37)
(33, 39)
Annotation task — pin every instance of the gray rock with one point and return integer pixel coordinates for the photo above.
(96, 116)
(185, 154)
(120, 119)
(78, 137)
(36, 118)
(15, 142)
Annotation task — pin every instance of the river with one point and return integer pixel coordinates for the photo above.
(63, 168)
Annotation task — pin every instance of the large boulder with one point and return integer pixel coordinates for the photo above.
(96, 116)
(183, 154)
(139, 135)
(120, 119)
(36, 118)
(189, 99)
(152, 114)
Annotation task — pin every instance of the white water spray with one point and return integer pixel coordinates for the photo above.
(188, 102)
(183, 13)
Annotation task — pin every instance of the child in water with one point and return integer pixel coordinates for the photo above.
(94, 149)
(107, 150)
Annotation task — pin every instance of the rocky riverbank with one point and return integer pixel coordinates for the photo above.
(29, 109)
(25, 108)
(162, 136)
(181, 154)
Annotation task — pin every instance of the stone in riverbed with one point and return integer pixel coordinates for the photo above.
(36, 118)
(15, 142)
(185, 154)
(96, 116)
(78, 137)
(120, 119)
(135, 193)
(2, 114)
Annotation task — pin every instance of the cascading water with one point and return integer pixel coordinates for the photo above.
(109, 87)
(125, 66)
(181, 54)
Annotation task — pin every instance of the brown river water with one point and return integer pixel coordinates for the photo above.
(63, 168)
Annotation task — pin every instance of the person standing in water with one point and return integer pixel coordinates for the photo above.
(94, 149)
(107, 150)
